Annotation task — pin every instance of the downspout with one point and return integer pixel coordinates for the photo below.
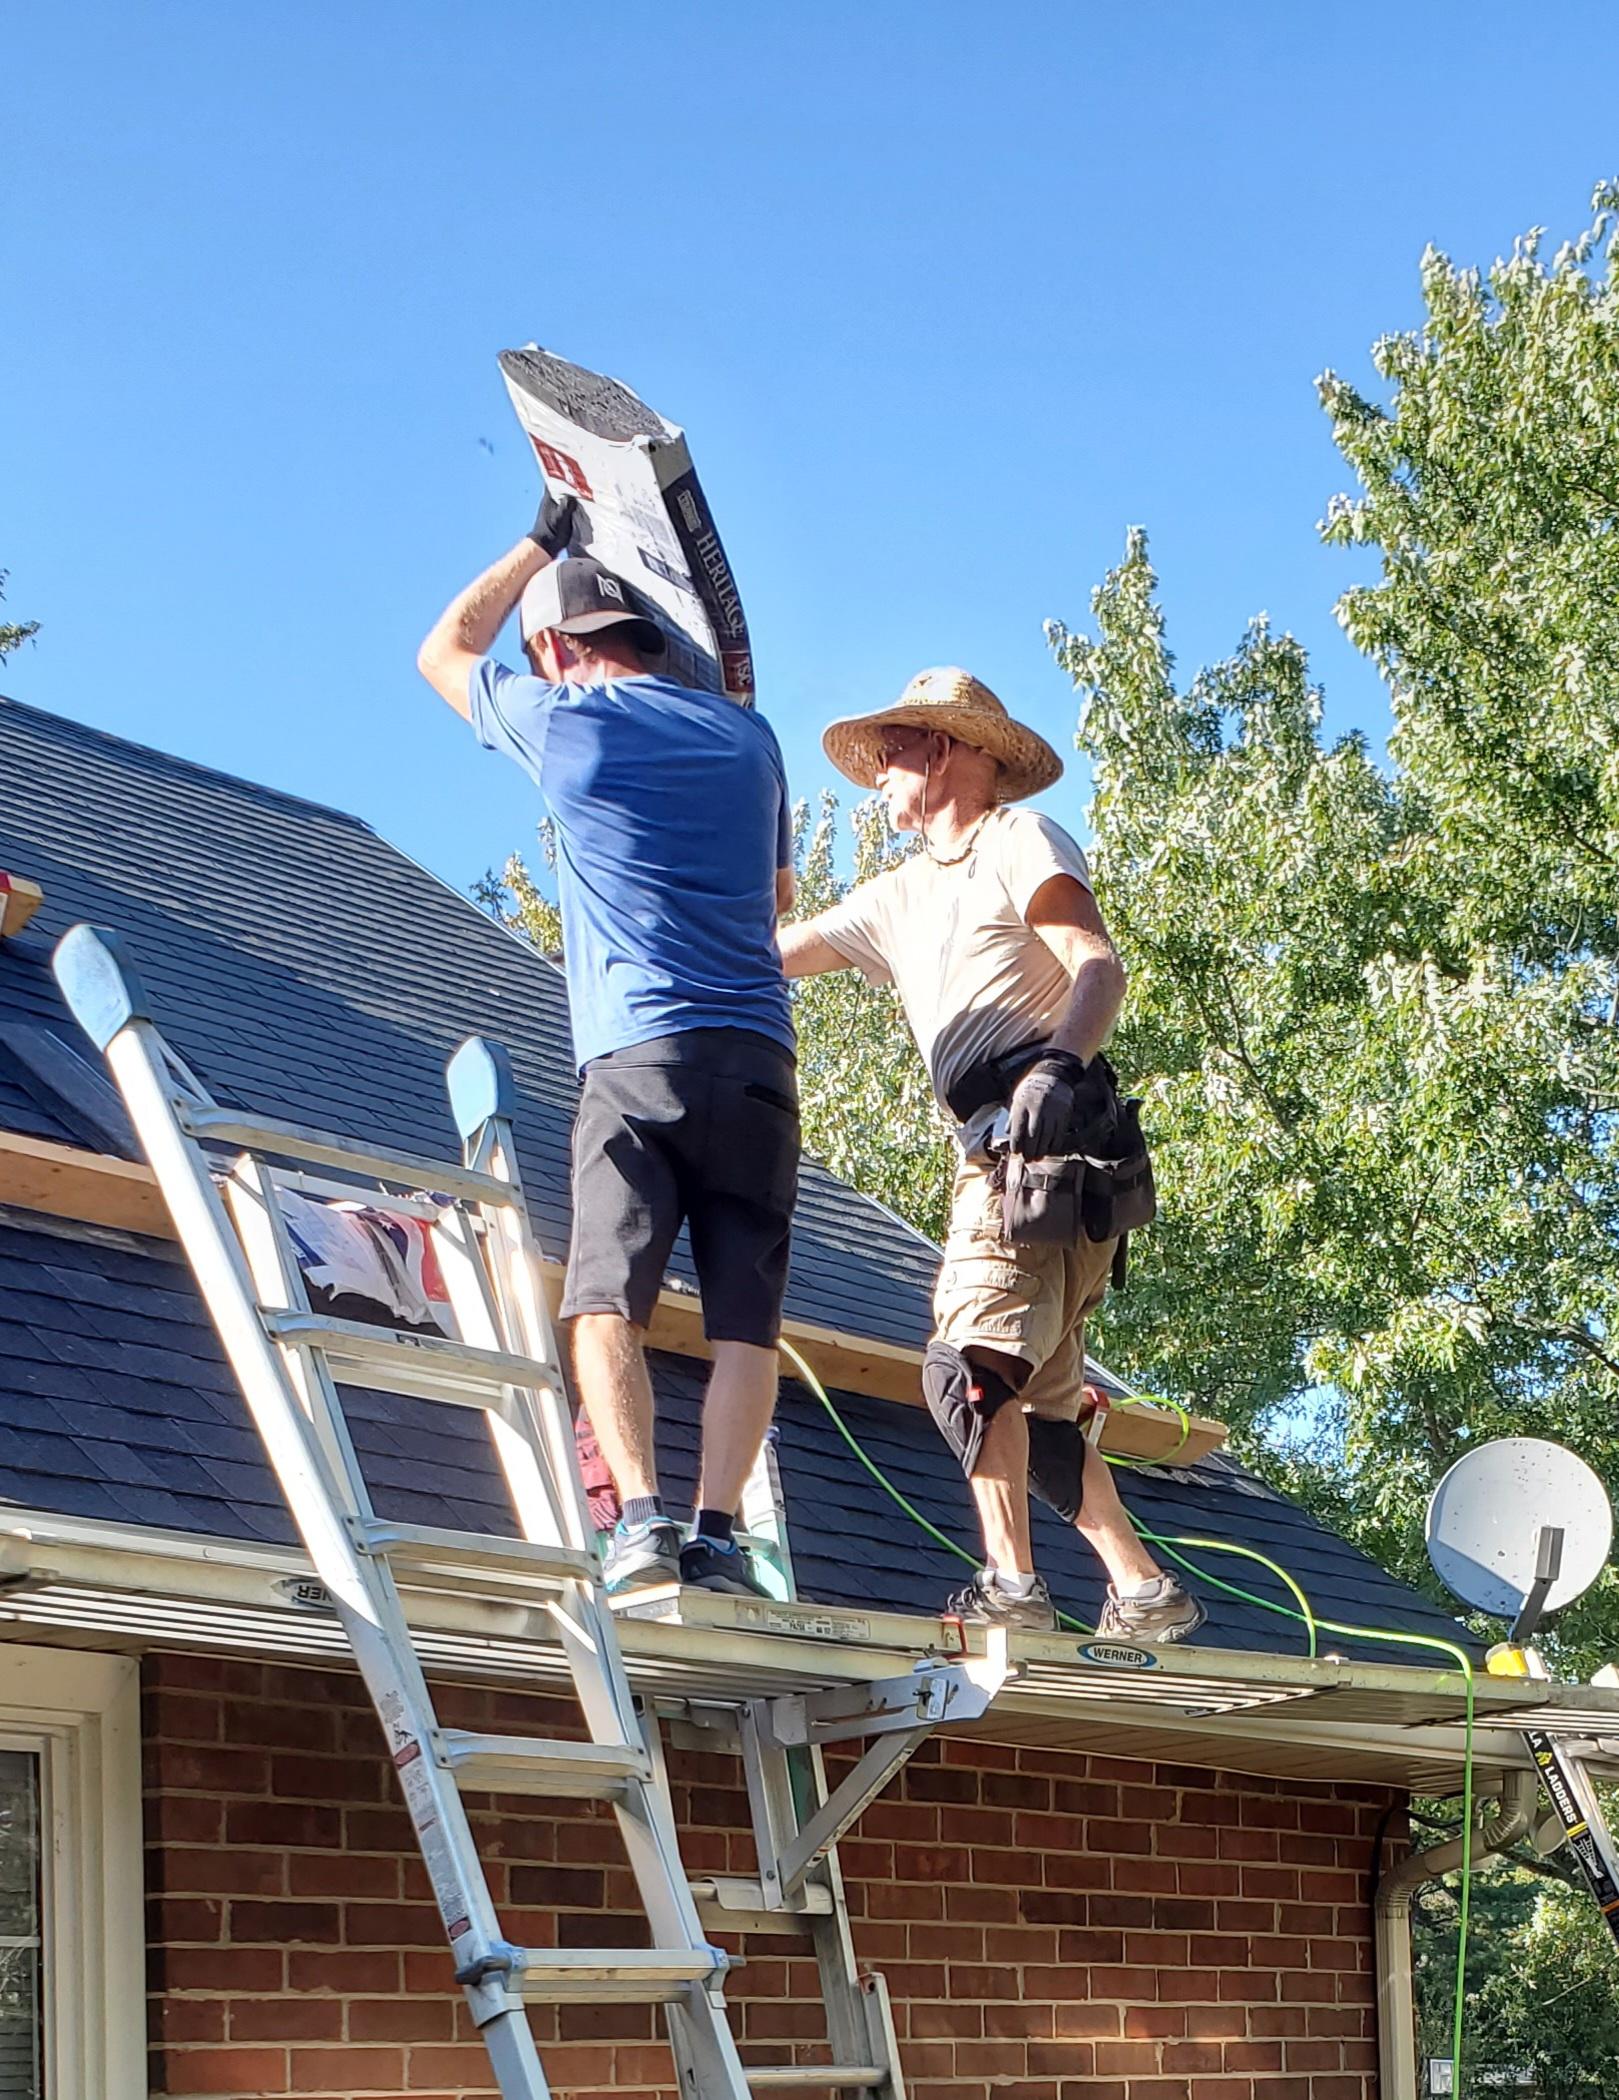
(1396, 1995)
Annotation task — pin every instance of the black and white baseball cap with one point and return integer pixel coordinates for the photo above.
(579, 596)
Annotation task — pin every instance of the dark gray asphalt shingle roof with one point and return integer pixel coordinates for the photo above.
(27, 996)
(115, 1403)
(305, 968)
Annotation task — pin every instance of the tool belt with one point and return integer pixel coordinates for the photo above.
(1099, 1187)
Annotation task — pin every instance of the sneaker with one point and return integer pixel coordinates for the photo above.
(1161, 1612)
(712, 1564)
(984, 1601)
(640, 1555)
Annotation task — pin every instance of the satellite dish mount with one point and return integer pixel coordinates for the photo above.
(1548, 1566)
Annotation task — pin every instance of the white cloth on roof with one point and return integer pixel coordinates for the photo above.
(377, 1255)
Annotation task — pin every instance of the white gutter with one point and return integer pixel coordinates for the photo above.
(1396, 1995)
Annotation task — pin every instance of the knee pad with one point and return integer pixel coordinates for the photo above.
(1057, 1466)
(963, 1398)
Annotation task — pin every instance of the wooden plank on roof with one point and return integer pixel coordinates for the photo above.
(19, 900)
(95, 1188)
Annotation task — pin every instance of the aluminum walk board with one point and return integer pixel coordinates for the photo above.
(109, 1585)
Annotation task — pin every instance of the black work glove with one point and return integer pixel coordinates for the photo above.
(556, 526)
(1042, 1117)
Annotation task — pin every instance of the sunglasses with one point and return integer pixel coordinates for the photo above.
(894, 743)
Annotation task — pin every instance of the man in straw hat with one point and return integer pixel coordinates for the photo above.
(993, 940)
(681, 1022)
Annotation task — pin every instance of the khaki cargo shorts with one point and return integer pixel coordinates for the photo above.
(1028, 1302)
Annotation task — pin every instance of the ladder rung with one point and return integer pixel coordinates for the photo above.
(523, 1764)
(403, 1203)
(730, 1903)
(422, 1365)
(779, 2075)
(593, 1976)
(444, 1559)
(223, 1126)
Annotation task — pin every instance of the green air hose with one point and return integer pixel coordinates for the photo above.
(1313, 1625)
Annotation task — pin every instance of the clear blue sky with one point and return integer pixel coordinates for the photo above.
(946, 297)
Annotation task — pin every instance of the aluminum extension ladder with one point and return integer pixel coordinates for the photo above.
(1576, 1807)
(290, 1360)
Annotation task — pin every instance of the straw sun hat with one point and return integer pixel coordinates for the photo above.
(955, 704)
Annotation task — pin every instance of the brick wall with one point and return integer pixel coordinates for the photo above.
(1053, 1926)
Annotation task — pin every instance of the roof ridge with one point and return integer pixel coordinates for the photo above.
(87, 732)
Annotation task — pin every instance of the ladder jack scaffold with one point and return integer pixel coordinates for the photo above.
(1522, 1526)
(1575, 1803)
(291, 1362)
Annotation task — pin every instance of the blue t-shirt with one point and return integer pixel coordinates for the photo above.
(671, 818)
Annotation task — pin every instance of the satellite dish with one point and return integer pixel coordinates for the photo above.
(1488, 1513)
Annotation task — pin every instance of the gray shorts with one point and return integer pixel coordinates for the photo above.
(699, 1128)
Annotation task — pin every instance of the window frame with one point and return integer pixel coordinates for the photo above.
(79, 1714)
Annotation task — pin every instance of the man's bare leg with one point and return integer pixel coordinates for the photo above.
(737, 1407)
(1000, 1488)
(609, 1363)
(1000, 1485)
(1105, 1527)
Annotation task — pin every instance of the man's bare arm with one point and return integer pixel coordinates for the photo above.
(465, 631)
(1068, 919)
(806, 953)
(786, 890)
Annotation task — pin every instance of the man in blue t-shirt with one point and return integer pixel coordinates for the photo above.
(674, 852)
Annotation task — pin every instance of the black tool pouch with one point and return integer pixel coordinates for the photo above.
(1102, 1191)
(1119, 1195)
(1041, 1201)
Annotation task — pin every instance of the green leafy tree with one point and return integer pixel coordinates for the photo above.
(519, 901)
(869, 1112)
(12, 636)
(1373, 1009)
(1549, 2004)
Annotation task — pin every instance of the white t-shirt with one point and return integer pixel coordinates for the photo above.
(973, 976)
